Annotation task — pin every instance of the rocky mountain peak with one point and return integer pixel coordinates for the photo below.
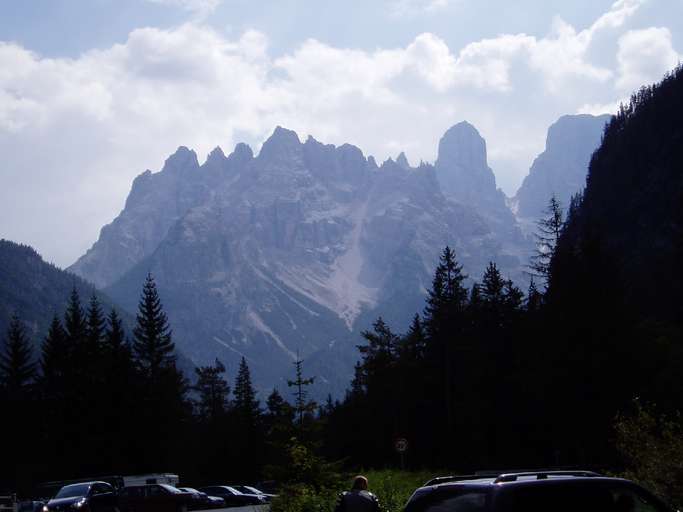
(216, 157)
(574, 132)
(241, 154)
(402, 161)
(182, 160)
(282, 142)
(462, 146)
(562, 167)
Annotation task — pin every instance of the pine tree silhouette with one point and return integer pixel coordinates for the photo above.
(547, 238)
(153, 346)
(245, 403)
(17, 367)
(213, 390)
(302, 405)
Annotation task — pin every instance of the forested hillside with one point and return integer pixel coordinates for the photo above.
(36, 290)
(485, 378)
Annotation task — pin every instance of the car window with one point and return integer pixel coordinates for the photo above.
(72, 491)
(101, 489)
(154, 490)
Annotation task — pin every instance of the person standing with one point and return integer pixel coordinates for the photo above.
(358, 499)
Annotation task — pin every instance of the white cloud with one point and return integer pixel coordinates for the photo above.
(644, 56)
(74, 132)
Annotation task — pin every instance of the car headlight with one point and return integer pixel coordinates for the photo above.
(79, 503)
(45, 509)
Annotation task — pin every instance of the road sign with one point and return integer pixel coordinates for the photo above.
(401, 444)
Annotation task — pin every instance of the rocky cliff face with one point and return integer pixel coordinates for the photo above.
(562, 168)
(300, 248)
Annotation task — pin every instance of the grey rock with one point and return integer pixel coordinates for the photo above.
(562, 168)
(301, 247)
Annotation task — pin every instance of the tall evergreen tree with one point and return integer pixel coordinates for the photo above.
(17, 366)
(380, 350)
(152, 344)
(445, 323)
(548, 236)
(245, 403)
(493, 288)
(54, 354)
(412, 345)
(75, 323)
(534, 298)
(114, 339)
(95, 324)
(213, 390)
(302, 405)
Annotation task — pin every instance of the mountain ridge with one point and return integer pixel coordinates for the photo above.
(299, 248)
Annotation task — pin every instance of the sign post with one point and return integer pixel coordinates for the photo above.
(401, 446)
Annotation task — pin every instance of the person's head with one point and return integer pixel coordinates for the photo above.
(360, 483)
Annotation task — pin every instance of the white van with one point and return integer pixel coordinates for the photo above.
(152, 478)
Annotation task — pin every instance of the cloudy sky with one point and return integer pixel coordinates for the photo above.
(93, 92)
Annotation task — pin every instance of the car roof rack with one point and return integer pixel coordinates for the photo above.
(542, 475)
(458, 478)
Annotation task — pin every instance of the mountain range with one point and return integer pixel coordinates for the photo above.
(293, 252)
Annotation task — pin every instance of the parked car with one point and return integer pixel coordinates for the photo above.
(201, 500)
(234, 498)
(83, 497)
(248, 489)
(153, 498)
(542, 491)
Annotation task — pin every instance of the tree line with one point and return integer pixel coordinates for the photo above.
(98, 400)
(487, 376)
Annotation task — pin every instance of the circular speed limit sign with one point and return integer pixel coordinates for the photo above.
(401, 444)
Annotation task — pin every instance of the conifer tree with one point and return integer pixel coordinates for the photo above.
(245, 403)
(75, 324)
(534, 298)
(548, 236)
(276, 405)
(213, 391)
(381, 349)
(279, 419)
(412, 345)
(445, 323)
(302, 405)
(152, 346)
(114, 339)
(55, 352)
(514, 297)
(493, 288)
(448, 295)
(95, 324)
(17, 367)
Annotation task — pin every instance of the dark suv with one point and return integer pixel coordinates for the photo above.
(548, 491)
(83, 497)
(153, 498)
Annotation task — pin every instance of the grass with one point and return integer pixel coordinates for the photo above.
(392, 488)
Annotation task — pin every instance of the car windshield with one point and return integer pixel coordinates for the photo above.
(189, 489)
(72, 491)
(170, 488)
